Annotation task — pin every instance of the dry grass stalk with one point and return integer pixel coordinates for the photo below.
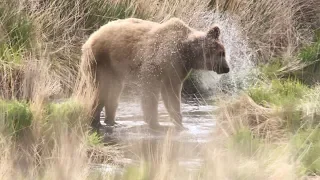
(233, 116)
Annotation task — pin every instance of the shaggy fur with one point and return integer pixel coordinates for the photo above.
(156, 56)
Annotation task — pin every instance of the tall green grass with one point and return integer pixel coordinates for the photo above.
(17, 26)
(68, 113)
(278, 92)
(306, 148)
(15, 117)
(311, 53)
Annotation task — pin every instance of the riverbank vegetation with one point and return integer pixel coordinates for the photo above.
(268, 131)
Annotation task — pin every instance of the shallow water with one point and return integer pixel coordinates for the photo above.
(140, 143)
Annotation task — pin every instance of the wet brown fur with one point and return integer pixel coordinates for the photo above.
(158, 56)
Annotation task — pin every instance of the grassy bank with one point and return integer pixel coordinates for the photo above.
(48, 142)
(280, 110)
(282, 114)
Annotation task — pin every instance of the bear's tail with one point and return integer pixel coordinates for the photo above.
(86, 85)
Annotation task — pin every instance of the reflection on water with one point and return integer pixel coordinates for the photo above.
(177, 148)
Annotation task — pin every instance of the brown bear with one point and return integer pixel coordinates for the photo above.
(158, 56)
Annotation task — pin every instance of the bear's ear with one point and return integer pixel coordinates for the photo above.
(214, 32)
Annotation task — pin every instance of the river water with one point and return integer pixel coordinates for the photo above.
(140, 144)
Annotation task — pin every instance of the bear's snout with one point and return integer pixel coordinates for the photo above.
(226, 69)
(223, 70)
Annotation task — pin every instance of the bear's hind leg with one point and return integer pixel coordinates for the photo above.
(95, 124)
(112, 100)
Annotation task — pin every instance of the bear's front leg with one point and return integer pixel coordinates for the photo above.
(149, 103)
(171, 96)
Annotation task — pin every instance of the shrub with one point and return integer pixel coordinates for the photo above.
(10, 57)
(11, 60)
(278, 92)
(272, 110)
(68, 113)
(15, 116)
(311, 53)
(17, 25)
(272, 69)
(94, 139)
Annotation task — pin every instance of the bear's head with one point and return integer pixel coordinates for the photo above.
(206, 52)
(214, 52)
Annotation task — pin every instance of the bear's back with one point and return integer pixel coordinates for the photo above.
(125, 43)
(121, 32)
(118, 42)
